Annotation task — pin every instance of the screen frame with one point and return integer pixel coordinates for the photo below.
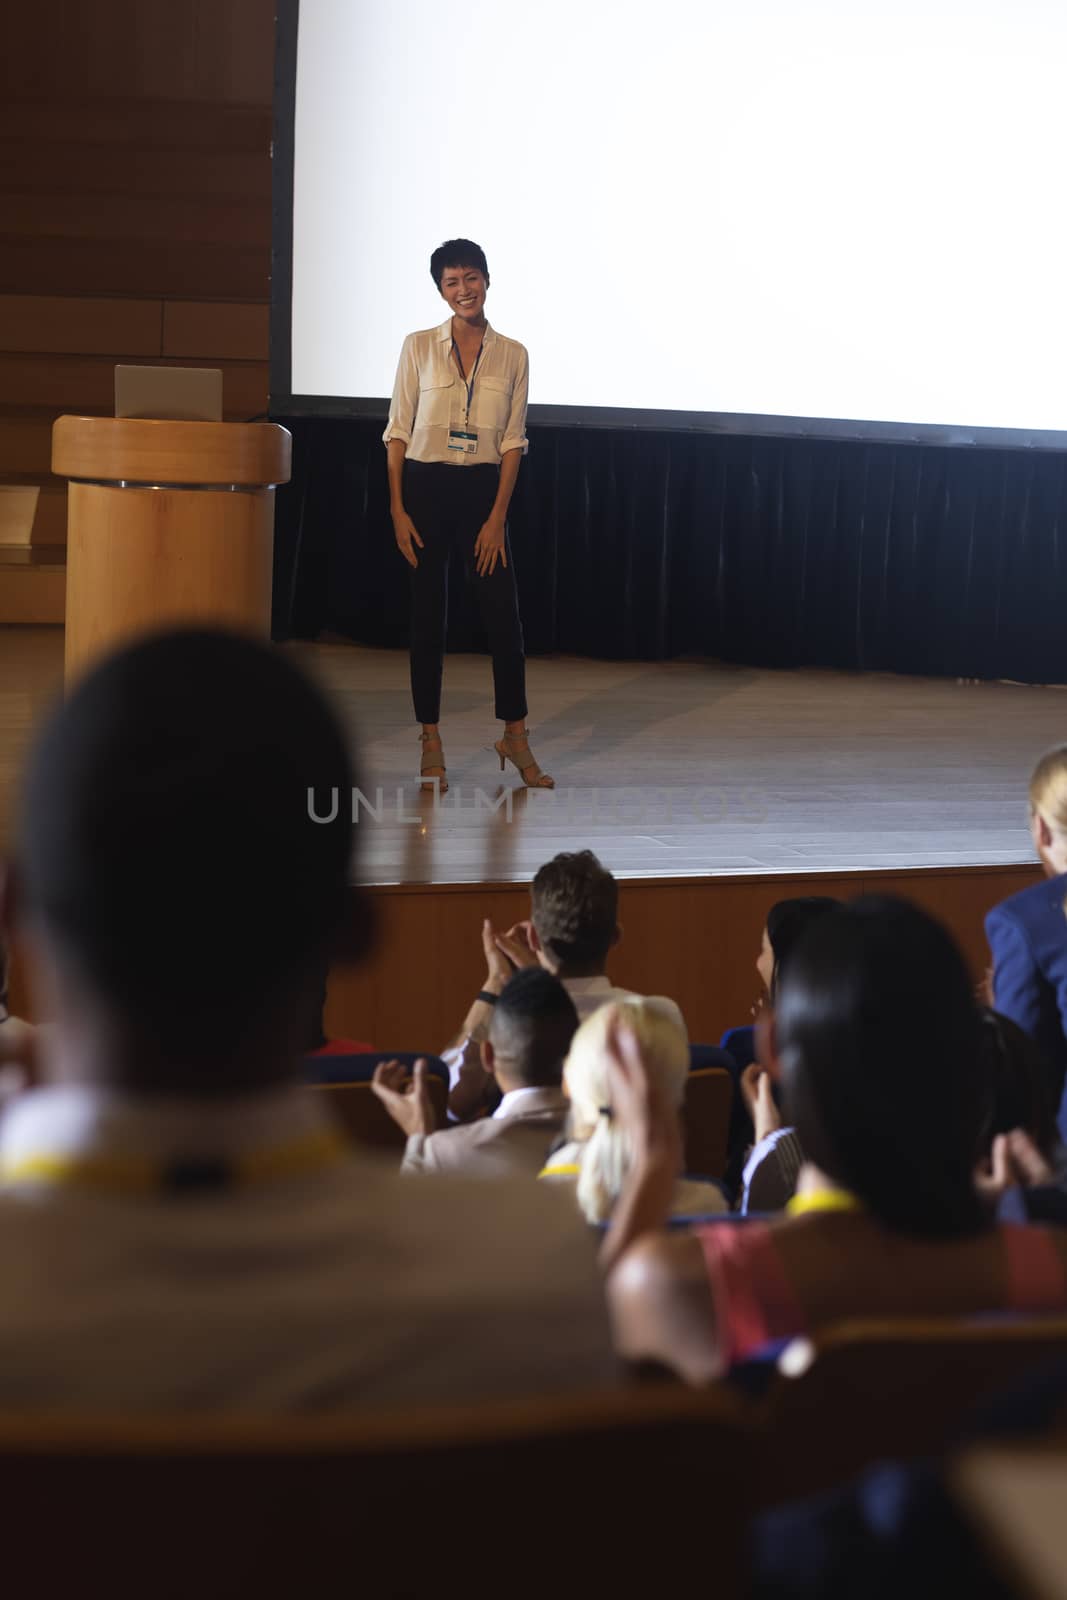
(284, 403)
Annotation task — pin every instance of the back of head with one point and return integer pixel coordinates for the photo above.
(168, 849)
(787, 921)
(606, 1152)
(531, 1029)
(574, 905)
(879, 1039)
(1048, 788)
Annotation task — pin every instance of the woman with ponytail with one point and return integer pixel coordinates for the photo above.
(596, 1155)
(876, 1039)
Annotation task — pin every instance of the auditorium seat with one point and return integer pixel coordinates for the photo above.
(359, 1068)
(214, 1508)
(740, 1045)
(709, 1093)
(873, 1390)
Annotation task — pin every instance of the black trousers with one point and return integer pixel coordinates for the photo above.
(448, 506)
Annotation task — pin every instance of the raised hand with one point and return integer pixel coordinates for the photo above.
(758, 1095)
(517, 946)
(407, 1099)
(498, 964)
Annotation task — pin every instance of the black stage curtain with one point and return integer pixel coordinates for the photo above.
(770, 552)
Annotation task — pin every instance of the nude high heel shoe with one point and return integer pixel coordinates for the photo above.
(432, 770)
(514, 747)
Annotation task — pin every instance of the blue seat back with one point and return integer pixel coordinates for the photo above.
(360, 1068)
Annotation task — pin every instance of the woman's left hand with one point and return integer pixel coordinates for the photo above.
(489, 546)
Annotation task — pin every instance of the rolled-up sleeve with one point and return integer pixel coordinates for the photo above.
(405, 401)
(515, 432)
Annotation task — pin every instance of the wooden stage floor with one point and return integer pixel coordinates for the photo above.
(691, 769)
(712, 791)
(675, 769)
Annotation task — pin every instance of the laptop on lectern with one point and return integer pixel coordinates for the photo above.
(169, 394)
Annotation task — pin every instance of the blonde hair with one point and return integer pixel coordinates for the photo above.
(1048, 788)
(606, 1152)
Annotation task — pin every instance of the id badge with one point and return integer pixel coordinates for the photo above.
(465, 442)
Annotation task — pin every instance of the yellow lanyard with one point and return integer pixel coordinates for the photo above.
(129, 1174)
(823, 1200)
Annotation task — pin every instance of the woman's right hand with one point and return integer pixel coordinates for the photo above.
(406, 537)
(758, 1095)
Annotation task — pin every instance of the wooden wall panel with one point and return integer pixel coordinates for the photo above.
(127, 123)
(87, 383)
(59, 166)
(209, 50)
(26, 446)
(158, 268)
(135, 167)
(196, 328)
(696, 940)
(78, 325)
(183, 222)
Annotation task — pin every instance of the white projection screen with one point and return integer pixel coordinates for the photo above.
(836, 216)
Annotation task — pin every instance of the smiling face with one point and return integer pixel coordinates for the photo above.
(463, 290)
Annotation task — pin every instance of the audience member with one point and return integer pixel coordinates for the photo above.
(530, 1032)
(877, 1038)
(772, 1165)
(318, 1044)
(1027, 933)
(597, 1155)
(180, 1226)
(573, 926)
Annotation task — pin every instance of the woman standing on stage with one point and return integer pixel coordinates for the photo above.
(455, 439)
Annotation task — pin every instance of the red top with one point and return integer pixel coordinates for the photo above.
(756, 1303)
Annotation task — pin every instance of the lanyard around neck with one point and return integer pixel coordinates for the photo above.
(823, 1200)
(131, 1174)
(469, 386)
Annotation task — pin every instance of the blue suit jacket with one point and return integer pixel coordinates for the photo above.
(1028, 938)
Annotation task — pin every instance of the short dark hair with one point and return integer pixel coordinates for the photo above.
(168, 845)
(574, 904)
(878, 1034)
(533, 1023)
(457, 253)
(787, 921)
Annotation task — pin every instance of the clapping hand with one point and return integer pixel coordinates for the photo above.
(1014, 1160)
(498, 965)
(406, 1098)
(517, 946)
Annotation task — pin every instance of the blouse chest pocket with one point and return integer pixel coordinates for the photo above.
(493, 402)
(435, 398)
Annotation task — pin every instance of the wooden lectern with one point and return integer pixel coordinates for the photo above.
(168, 522)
